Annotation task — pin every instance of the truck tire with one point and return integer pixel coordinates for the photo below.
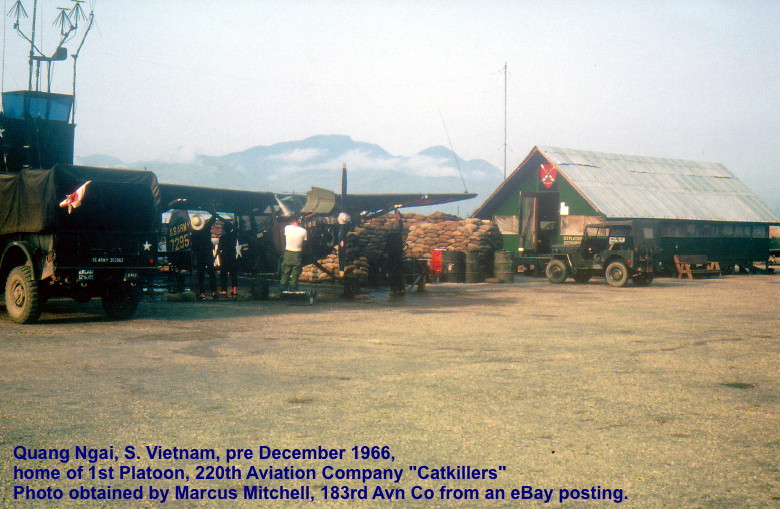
(22, 295)
(556, 271)
(617, 273)
(122, 303)
(642, 279)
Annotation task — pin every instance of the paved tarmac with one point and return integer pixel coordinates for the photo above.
(666, 396)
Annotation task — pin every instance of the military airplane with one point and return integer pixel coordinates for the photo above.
(260, 217)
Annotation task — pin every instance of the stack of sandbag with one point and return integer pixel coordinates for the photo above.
(411, 219)
(367, 241)
(467, 235)
(422, 234)
(357, 267)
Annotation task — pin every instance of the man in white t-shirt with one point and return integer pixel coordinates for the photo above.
(292, 263)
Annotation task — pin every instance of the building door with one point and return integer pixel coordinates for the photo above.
(539, 221)
(528, 230)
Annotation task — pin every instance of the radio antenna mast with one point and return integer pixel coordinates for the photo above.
(67, 21)
(504, 120)
(32, 42)
(454, 155)
(75, 55)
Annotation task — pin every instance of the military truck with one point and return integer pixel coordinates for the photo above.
(76, 231)
(608, 249)
(69, 230)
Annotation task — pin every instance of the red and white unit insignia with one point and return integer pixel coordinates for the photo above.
(548, 173)
(75, 198)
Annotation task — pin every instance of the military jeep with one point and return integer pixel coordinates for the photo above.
(607, 249)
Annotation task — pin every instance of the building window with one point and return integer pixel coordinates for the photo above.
(672, 230)
(575, 225)
(706, 230)
(727, 230)
(760, 232)
(508, 225)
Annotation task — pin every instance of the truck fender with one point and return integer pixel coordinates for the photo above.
(566, 259)
(18, 253)
(615, 258)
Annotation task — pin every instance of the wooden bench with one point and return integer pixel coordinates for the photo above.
(690, 265)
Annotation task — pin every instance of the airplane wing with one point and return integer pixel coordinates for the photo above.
(318, 201)
(181, 197)
(323, 201)
(371, 203)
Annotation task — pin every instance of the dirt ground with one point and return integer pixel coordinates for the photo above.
(667, 395)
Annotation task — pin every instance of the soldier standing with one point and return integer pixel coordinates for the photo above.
(292, 263)
(203, 251)
(394, 248)
(226, 250)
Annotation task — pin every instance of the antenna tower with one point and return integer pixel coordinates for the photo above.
(67, 21)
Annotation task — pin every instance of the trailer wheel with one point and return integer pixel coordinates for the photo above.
(642, 279)
(122, 303)
(22, 297)
(617, 273)
(556, 271)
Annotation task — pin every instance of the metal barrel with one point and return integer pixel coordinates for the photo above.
(452, 266)
(473, 269)
(504, 267)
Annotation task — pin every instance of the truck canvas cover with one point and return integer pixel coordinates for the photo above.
(124, 200)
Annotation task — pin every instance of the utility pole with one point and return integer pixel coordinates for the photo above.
(504, 120)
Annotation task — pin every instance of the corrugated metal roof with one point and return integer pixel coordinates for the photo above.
(624, 186)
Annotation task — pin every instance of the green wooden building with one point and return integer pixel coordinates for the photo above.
(685, 207)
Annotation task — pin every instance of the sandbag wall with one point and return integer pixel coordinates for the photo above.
(423, 234)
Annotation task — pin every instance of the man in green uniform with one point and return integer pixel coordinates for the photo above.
(292, 262)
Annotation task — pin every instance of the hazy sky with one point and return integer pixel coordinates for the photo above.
(683, 79)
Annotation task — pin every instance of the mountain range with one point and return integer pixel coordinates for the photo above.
(296, 166)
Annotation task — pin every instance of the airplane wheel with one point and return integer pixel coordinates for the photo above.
(260, 289)
(121, 304)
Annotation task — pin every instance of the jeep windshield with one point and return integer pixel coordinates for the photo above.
(602, 231)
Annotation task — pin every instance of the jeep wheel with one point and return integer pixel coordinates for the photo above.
(582, 276)
(21, 296)
(122, 303)
(617, 273)
(642, 279)
(556, 271)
